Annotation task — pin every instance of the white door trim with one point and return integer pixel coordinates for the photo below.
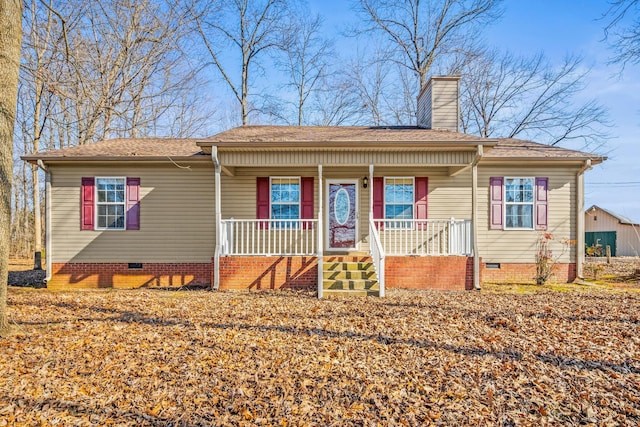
(328, 182)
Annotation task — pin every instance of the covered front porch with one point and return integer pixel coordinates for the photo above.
(346, 224)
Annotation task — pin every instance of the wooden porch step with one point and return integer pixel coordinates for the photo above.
(348, 265)
(350, 293)
(347, 258)
(351, 285)
(349, 275)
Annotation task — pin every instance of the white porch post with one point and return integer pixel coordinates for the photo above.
(474, 218)
(218, 208)
(580, 219)
(320, 232)
(370, 194)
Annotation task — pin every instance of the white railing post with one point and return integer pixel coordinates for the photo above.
(452, 249)
(320, 231)
(377, 254)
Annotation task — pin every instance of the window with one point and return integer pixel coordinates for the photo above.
(285, 199)
(519, 202)
(398, 200)
(110, 203)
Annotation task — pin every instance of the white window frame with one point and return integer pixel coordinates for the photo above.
(96, 203)
(413, 203)
(532, 203)
(299, 204)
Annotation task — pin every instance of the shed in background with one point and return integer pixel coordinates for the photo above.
(605, 227)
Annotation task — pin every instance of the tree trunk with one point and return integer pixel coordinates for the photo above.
(10, 39)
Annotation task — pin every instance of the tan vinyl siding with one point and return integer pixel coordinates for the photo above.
(518, 246)
(448, 196)
(177, 217)
(438, 105)
(424, 108)
(239, 193)
(345, 158)
(177, 209)
(445, 106)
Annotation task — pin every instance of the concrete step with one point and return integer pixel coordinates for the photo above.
(349, 274)
(331, 293)
(358, 284)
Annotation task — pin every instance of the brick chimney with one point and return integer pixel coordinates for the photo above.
(438, 103)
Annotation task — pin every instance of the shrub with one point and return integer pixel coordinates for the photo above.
(545, 259)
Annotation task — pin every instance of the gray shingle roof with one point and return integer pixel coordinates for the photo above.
(302, 136)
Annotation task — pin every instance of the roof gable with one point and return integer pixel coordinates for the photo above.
(622, 219)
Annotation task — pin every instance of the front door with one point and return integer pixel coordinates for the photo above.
(342, 224)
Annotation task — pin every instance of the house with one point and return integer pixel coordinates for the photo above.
(606, 228)
(337, 209)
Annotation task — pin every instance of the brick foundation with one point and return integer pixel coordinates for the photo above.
(269, 272)
(292, 272)
(431, 272)
(119, 275)
(526, 273)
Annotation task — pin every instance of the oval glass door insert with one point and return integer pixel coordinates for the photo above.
(341, 206)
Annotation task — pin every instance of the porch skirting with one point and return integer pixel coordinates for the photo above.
(119, 275)
(429, 272)
(526, 273)
(269, 272)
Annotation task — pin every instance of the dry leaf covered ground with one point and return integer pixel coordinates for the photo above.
(142, 357)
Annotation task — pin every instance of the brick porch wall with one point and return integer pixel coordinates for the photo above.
(525, 273)
(119, 275)
(269, 272)
(430, 272)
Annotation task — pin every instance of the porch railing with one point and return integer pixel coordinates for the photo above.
(377, 254)
(425, 236)
(268, 237)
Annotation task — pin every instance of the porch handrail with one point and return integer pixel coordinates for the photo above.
(268, 236)
(425, 236)
(377, 254)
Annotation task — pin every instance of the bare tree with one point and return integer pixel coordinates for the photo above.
(94, 70)
(369, 73)
(506, 96)
(250, 27)
(10, 39)
(624, 38)
(123, 57)
(306, 60)
(337, 103)
(39, 70)
(423, 31)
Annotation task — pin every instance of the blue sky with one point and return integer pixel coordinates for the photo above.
(561, 27)
(558, 28)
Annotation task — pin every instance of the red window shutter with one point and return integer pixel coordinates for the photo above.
(306, 200)
(542, 186)
(133, 203)
(497, 206)
(263, 199)
(421, 193)
(378, 198)
(87, 205)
